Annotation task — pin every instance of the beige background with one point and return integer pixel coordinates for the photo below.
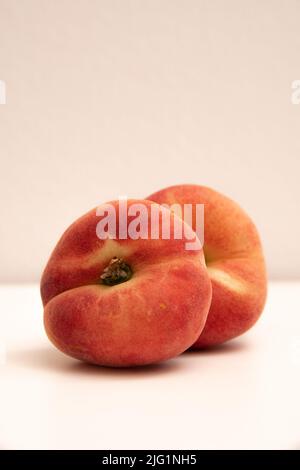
(125, 97)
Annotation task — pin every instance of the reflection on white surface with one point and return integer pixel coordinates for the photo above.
(243, 394)
(2, 92)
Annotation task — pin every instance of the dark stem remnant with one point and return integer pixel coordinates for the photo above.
(116, 272)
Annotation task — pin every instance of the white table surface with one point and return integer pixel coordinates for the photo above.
(245, 394)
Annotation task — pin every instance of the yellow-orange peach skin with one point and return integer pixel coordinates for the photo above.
(234, 260)
(156, 314)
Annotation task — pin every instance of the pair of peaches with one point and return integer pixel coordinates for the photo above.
(128, 302)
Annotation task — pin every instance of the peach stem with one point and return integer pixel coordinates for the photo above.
(116, 272)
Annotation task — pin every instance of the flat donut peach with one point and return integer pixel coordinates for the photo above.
(234, 260)
(124, 302)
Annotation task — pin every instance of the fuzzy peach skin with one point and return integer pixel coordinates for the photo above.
(234, 259)
(155, 315)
